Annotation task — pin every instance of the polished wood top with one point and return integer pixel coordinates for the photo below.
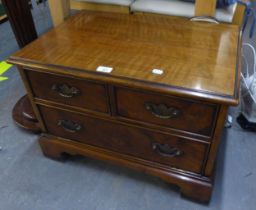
(198, 59)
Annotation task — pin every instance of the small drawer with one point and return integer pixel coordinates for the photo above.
(170, 112)
(69, 91)
(167, 150)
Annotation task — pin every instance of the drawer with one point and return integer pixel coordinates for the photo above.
(142, 143)
(69, 91)
(171, 112)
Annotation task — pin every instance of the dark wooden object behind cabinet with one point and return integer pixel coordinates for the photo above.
(21, 20)
(167, 125)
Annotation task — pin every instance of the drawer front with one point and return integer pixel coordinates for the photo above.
(170, 112)
(165, 149)
(69, 91)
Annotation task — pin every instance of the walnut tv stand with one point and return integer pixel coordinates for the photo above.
(148, 92)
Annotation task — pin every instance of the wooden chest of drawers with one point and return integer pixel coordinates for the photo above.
(168, 124)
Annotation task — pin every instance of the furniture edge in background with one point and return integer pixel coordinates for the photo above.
(60, 9)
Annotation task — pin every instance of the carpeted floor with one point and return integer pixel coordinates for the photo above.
(29, 181)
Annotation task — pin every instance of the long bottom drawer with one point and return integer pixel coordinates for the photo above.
(169, 150)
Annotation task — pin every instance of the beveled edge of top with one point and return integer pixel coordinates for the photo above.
(207, 96)
(202, 95)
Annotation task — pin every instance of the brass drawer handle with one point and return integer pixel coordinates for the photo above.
(65, 90)
(69, 126)
(162, 111)
(166, 150)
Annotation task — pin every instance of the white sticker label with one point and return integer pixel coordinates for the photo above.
(157, 71)
(104, 69)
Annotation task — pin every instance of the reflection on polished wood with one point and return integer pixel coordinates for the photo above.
(194, 56)
(168, 124)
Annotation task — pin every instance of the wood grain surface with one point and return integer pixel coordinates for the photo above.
(200, 57)
(92, 96)
(192, 116)
(127, 140)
